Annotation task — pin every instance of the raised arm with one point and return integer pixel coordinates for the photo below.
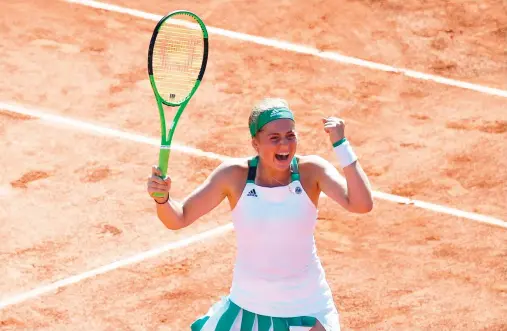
(176, 215)
(353, 192)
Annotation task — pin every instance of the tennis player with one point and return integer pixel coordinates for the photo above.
(278, 280)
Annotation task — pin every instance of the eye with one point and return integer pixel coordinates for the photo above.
(274, 138)
(291, 136)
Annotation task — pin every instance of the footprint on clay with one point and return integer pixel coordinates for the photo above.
(494, 127)
(441, 42)
(412, 145)
(421, 117)
(414, 93)
(94, 46)
(11, 322)
(446, 251)
(56, 45)
(9, 119)
(109, 229)
(433, 237)
(375, 170)
(52, 314)
(94, 174)
(460, 159)
(443, 67)
(45, 247)
(29, 177)
(462, 168)
(128, 80)
(410, 189)
(15, 116)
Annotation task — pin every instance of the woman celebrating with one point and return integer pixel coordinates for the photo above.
(278, 281)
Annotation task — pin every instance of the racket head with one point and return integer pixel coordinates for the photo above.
(177, 57)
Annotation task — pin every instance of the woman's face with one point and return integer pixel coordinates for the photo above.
(276, 143)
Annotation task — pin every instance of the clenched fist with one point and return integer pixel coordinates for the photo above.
(157, 184)
(335, 128)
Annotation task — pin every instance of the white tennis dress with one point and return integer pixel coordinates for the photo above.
(278, 280)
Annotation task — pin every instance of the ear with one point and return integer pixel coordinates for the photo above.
(255, 144)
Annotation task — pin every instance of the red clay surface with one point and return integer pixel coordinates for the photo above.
(72, 201)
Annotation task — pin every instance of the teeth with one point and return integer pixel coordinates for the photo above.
(283, 154)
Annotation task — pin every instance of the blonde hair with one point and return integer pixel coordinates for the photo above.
(265, 105)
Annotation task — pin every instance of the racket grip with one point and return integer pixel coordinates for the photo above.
(163, 160)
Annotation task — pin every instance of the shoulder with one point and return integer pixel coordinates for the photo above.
(313, 163)
(317, 168)
(231, 169)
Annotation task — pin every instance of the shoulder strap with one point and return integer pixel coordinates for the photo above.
(252, 169)
(294, 169)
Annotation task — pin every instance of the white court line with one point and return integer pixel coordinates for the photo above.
(84, 126)
(333, 56)
(87, 127)
(113, 266)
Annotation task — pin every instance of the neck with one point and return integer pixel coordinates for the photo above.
(272, 177)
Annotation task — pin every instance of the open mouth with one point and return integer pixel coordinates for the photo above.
(282, 156)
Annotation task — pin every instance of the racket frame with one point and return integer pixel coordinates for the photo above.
(166, 133)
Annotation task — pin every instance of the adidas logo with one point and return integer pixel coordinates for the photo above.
(274, 112)
(252, 193)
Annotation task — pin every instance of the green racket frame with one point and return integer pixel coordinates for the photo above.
(167, 133)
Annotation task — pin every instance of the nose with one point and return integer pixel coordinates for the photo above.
(284, 141)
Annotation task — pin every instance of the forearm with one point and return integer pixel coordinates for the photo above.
(171, 214)
(358, 188)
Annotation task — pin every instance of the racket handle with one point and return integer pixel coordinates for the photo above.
(163, 160)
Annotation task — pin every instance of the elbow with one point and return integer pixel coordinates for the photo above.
(366, 209)
(175, 226)
(363, 208)
(172, 224)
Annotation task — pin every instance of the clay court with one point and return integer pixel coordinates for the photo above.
(422, 87)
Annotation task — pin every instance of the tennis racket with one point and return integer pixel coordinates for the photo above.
(177, 59)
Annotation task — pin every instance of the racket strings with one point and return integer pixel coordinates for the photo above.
(177, 59)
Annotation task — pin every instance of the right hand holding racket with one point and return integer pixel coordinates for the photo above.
(158, 185)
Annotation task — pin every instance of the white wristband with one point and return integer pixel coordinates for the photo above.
(345, 154)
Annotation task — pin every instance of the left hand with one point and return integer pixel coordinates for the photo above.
(335, 128)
